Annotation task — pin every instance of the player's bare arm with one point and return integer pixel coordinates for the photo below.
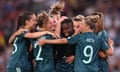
(56, 41)
(109, 52)
(102, 54)
(38, 34)
(58, 27)
(17, 33)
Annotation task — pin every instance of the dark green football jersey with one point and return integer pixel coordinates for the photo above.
(103, 62)
(43, 55)
(87, 49)
(103, 34)
(19, 57)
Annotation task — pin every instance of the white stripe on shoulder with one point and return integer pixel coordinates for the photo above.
(18, 69)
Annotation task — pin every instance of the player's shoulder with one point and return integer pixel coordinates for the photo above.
(98, 39)
(75, 36)
(82, 35)
(89, 35)
(23, 33)
(101, 33)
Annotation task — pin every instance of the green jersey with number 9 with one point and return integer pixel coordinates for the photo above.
(87, 49)
(20, 53)
(43, 55)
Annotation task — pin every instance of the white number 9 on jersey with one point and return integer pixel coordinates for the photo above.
(88, 55)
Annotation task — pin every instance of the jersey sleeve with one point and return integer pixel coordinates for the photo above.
(73, 39)
(23, 34)
(103, 35)
(104, 45)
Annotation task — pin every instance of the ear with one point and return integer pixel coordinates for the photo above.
(87, 27)
(26, 22)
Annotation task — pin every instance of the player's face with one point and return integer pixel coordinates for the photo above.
(53, 23)
(82, 25)
(49, 26)
(66, 29)
(53, 19)
(76, 25)
(32, 22)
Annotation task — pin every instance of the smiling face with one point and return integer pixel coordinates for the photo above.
(32, 21)
(26, 20)
(66, 29)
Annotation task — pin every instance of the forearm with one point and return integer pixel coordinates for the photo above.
(57, 41)
(35, 34)
(102, 54)
(110, 51)
(58, 27)
(12, 38)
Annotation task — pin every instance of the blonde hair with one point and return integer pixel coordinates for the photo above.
(42, 18)
(92, 20)
(56, 8)
(100, 21)
(78, 17)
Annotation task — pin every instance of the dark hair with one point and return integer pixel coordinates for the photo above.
(42, 18)
(91, 21)
(22, 18)
(68, 22)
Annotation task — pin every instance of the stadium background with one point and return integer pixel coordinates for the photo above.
(9, 9)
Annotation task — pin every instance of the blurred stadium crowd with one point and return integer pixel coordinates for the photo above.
(9, 9)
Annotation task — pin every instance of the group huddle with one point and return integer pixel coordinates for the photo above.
(50, 42)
